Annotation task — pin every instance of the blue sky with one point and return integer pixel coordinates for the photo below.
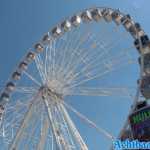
(23, 22)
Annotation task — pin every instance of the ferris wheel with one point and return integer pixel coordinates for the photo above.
(89, 57)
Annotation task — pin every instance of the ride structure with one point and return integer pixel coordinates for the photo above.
(37, 117)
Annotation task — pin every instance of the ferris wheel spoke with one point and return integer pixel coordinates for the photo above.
(18, 104)
(32, 78)
(40, 67)
(103, 47)
(119, 56)
(63, 45)
(53, 59)
(99, 91)
(17, 116)
(14, 123)
(65, 48)
(26, 90)
(89, 122)
(93, 61)
(72, 49)
(46, 61)
(72, 60)
(14, 112)
(110, 68)
(73, 54)
(50, 58)
(99, 42)
(70, 45)
(108, 62)
(80, 59)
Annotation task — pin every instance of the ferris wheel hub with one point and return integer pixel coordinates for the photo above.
(48, 92)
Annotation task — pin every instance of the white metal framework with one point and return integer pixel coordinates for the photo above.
(74, 59)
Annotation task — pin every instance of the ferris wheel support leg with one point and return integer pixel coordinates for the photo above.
(44, 133)
(75, 132)
(53, 127)
(19, 133)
